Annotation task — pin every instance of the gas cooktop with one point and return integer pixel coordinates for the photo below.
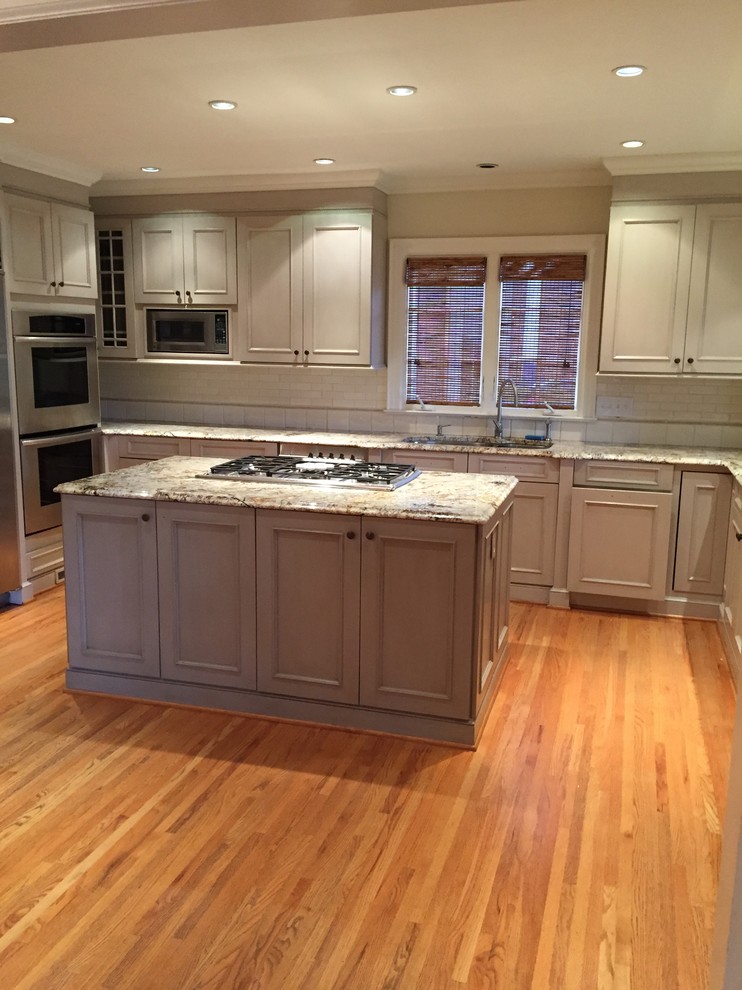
(340, 472)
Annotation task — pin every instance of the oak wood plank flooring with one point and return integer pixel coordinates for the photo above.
(154, 848)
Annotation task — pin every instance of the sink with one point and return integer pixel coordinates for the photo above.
(469, 441)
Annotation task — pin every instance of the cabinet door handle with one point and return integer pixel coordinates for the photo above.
(296, 353)
(61, 285)
(188, 296)
(370, 536)
(306, 353)
(677, 360)
(177, 294)
(690, 360)
(739, 537)
(351, 535)
(145, 517)
(53, 285)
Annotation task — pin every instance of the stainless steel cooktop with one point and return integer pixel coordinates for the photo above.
(335, 472)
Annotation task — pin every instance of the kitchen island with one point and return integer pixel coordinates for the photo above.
(374, 610)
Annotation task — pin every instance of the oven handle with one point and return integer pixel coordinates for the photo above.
(57, 439)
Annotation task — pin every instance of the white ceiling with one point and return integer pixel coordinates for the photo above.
(526, 84)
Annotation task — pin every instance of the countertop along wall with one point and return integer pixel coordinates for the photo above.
(668, 410)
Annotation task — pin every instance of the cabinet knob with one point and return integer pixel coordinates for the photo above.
(351, 535)
(739, 537)
(690, 360)
(61, 285)
(177, 294)
(145, 517)
(370, 536)
(677, 360)
(296, 353)
(53, 285)
(306, 353)
(188, 296)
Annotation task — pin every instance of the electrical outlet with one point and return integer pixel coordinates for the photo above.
(613, 407)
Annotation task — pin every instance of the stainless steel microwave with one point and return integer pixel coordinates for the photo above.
(191, 331)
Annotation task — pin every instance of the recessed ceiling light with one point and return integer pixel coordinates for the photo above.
(324, 161)
(627, 71)
(402, 90)
(150, 168)
(222, 105)
(487, 165)
(7, 120)
(632, 144)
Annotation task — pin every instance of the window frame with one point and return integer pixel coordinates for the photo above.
(591, 245)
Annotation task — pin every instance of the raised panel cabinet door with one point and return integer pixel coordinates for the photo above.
(110, 551)
(308, 604)
(209, 260)
(73, 240)
(733, 577)
(714, 335)
(157, 247)
(207, 594)
(495, 602)
(428, 460)
(30, 246)
(116, 314)
(647, 282)
(619, 543)
(702, 532)
(337, 288)
(269, 253)
(534, 533)
(132, 450)
(417, 628)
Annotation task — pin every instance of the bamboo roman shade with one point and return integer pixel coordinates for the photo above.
(540, 322)
(445, 311)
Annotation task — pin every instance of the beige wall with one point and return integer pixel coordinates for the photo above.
(502, 212)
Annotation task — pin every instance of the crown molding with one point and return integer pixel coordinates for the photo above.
(155, 185)
(56, 168)
(493, 180)
(730, 161)
(46, 9)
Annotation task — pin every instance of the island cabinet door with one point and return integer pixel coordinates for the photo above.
(110, 550)
(417, 625)
(207, 594)
(308, 604)
(493, 607)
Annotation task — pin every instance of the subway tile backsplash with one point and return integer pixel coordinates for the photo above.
(700, 412)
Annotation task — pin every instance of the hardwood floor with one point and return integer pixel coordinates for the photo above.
(146, 848)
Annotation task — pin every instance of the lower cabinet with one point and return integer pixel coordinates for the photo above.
(308, 595)
(110, 550)
(125, 451)
(206, 567)
(702, 532)
(732, 613)
(230, 449)
(429, 460)
(417, 628)
(619, 542)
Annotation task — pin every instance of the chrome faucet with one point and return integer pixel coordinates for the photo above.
(441, 427)
(503, 385)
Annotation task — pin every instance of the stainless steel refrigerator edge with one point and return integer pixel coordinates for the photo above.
(10, 564)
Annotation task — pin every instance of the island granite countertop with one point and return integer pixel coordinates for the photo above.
(434, 495)
(564, 449)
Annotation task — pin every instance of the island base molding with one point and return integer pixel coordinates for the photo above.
(463, 735)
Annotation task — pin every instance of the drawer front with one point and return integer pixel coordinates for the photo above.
(624, 474)
(229, 449)
(523, 468)
(153, 448)
(429, 460)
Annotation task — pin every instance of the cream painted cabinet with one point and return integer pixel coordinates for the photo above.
(428, 460)
(673, 295)
(184, 260)
(228, 449)
(126, 451)
(116, 336)
(51, 248)
(619, 542)
(702, 532)
(269, 260)
(418, 619)
(312, 288)
(535, 504)
(494, 601)
(206, 567)
(110, 550)
(309, 604)
(732, 615)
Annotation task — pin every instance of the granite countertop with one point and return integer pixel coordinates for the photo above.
(433, 495)
(573, 450)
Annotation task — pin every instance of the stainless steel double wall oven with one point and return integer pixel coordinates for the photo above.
(58, 397)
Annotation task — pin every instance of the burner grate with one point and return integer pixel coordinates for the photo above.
(329, 471)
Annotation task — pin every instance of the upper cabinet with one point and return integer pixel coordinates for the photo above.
(116, 336)
(673, 292)
(312, 288)
(184, 260)
(52, 249)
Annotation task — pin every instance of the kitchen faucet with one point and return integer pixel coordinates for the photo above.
(441, 427)
(503, 385)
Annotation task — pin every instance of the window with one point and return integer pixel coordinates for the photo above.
(467, 313)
